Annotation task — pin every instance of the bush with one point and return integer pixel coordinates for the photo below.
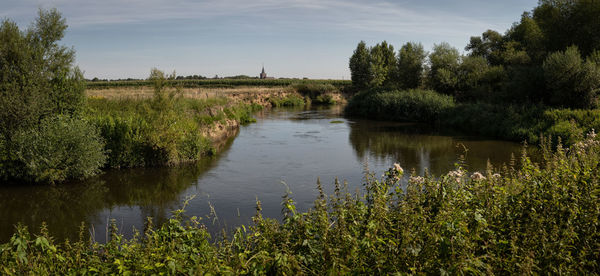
(409, 105)
(317, 93)
(61, 148)
(290, 100)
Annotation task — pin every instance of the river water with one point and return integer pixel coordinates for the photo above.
(291, 146)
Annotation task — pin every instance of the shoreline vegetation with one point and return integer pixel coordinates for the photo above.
(540, 78)
(522, 218)
(512, 122)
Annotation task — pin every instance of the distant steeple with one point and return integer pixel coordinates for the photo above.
(263, 75)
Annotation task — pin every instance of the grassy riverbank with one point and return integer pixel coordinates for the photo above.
(519, 219)
(510, 122)
(167, 131)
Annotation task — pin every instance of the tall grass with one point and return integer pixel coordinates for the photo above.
(518, 219)
(144, 132)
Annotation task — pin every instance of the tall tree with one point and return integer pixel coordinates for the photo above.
(411, 59)
(489, 45)
(383, 63)
(444, 62)
(37, 76)
(360, 68)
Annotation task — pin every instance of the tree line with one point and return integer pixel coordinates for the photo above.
(550, 57)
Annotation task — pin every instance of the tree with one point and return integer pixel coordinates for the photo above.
(571, 81)
(42, 138)
(37, 76)
(488, 46)
(444, 61)
(360, 68)
(383, 64)
(411, 58)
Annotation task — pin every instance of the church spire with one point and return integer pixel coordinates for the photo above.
(263, 75)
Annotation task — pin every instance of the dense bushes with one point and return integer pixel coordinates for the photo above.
(519, 219)
(317, 93)
(289, 100)
(512, 122)
(60, 148)
(408, 105)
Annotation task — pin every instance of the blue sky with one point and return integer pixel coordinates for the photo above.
(293, 38)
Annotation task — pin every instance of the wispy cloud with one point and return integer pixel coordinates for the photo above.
(380, 16)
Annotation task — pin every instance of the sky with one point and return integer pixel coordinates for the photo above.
(292, 38)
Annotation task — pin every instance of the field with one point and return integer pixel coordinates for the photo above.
(218, 83)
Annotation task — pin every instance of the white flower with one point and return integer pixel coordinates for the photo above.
(457, 174)
(416, 179)
(477, 176)
(398, 168)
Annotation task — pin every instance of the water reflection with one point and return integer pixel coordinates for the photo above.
(291, 145)
(154, 191)
(421, 148)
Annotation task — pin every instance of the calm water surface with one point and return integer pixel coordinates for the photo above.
(294, 146)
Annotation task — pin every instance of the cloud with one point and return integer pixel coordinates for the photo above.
(376, 16)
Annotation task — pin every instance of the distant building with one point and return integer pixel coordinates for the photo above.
(263, 75)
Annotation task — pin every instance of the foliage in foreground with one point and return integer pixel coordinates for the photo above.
(520, 219)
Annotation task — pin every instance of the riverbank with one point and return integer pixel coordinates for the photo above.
(518, 219)
(187, 125)
(509, 122)
(164, 131)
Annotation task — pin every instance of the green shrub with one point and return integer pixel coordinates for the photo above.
(289, 100)
(60, 148)
(408, 105)
(317, 93)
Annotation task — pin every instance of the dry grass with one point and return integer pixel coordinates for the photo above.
(196, 93)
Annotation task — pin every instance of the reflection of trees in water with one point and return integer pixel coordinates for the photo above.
(401, 143)
(406, 143)
(65, 207)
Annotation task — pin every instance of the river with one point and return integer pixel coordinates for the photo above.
(291, 146)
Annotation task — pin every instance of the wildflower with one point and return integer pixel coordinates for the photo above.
(457, 175)
(592, 134)
(398, 168)
(477, 176)
(416, 179)
(496, 175)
